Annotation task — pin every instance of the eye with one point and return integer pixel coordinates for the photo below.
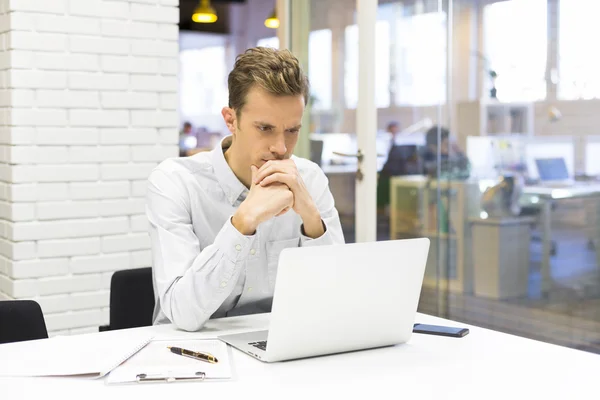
(294, 131)
(264, 128)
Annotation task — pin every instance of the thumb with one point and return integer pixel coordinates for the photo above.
(254, 170)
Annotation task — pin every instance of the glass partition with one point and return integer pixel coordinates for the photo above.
(479, 150)
(520, 247)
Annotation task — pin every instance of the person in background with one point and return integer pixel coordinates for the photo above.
(187, 139)
(220, 219)
(401, 160)
(454, 163)
(393, 128)
(389, 169)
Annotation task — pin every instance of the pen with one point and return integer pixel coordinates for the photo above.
(194, 354)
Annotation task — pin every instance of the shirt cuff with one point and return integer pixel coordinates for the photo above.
(234, 245)
(324, 239)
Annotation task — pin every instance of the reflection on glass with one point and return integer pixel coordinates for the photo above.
(420, 48)
(515, 46)
(578, 66)
(382, 66)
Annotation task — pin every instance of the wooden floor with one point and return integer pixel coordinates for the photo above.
(568, 315)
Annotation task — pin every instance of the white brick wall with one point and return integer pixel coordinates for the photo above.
(88, 99)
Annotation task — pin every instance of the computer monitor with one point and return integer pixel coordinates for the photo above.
(552, 169)
(592, 161)
(544, 148)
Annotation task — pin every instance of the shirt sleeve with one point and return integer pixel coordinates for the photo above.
(329, 215)
(191, 282)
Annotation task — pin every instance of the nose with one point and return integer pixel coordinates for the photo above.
(278, 146)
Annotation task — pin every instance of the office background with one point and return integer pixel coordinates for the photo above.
(94, 93)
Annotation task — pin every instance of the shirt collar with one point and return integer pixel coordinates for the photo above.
(230, 184)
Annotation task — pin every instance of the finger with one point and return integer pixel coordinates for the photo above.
(268, 164)
(254, 171)
(277, 164)
(286, 179)
(262, 173)
(273, 169)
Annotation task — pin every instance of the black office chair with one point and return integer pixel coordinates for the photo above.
(131, 299)
(316, 151)
(21, 320)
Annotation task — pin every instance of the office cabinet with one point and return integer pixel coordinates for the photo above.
(501, 256)
(487, 117)
(416, 212)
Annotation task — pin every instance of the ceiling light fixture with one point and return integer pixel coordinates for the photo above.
(272, 22)
(204, 13)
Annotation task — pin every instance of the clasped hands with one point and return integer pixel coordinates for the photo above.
(276, 188)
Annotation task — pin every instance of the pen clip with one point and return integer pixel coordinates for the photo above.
(145, 378)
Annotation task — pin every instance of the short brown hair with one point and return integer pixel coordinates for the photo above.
(277, 71)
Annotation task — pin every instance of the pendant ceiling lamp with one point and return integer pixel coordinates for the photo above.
(272, 22)
(204, 13)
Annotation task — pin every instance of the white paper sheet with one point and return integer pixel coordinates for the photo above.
(93, 354)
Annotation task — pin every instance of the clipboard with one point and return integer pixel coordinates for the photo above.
(156, 364)
(194, 376)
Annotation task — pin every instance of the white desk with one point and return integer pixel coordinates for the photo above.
(548, 195)
(483, 365)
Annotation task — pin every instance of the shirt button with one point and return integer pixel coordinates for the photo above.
(238, 247)
(252, 251)
(224, 283)
(249, 289)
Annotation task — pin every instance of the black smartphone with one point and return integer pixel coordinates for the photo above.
(440, 330)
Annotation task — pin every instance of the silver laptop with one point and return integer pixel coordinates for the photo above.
(339, 298)
(553, 172)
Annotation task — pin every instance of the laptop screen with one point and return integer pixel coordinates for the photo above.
(552, 169)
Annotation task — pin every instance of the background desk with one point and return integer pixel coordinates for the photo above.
(411, 215)
(483, 365)
(549, 195)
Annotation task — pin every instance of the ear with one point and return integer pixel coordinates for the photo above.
(230, 119)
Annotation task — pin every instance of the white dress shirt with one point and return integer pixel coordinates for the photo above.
(203, 266)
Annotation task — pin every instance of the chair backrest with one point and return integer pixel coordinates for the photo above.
(316, 151)
(403, 160)
(21, 320)
(131, 298)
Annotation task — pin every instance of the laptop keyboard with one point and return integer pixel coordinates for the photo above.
(259, 345)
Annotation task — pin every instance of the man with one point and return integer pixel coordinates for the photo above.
(393, 128)
(401, 160)
(454, 163)
(219, 220)
(186, 139)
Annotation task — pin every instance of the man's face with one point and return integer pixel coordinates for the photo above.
(393, 129)
(267, 127)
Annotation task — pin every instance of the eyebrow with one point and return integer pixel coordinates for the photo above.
(267, 125)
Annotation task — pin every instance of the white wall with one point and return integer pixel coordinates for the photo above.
(88, 97)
